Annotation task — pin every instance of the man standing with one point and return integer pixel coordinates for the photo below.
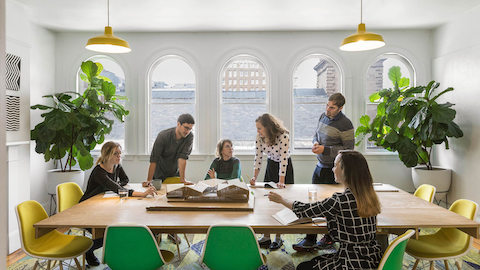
(334, 133)
(171, 150)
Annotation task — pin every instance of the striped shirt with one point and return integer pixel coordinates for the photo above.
(278, 152)
(334, 134)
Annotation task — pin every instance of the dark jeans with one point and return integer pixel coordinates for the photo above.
(97, 243)
(321, 176)
(271, 173)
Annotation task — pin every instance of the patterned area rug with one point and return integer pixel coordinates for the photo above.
(283, 259)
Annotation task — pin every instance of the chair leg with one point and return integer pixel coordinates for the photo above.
(178, 249)
(83, 261)
(35, 265)
(415, 264)
(48, 265)
(432, 267)
(77, 263)
(60, 264)
(159, 238)
(446, 265)
(459, 266)
(186, 239)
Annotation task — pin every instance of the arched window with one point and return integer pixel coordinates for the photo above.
(113, 71)
(377, 79)
(172, 93)
(315, 78)
(242, 100)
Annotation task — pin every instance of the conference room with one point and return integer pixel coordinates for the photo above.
(226, 64)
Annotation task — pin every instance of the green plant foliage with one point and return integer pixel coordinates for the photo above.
(409, 120)
(74, 124)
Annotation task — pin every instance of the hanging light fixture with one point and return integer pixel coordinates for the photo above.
(362, 40)
(108, 43)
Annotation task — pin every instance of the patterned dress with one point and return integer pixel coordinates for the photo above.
(357, 235)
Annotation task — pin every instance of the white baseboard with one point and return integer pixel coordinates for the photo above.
(14, 241)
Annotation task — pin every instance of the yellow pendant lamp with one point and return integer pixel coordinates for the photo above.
(108, 43)
(362, 40)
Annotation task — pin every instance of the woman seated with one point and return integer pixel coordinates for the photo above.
(108, 175)
(225, 166)
(351, 216)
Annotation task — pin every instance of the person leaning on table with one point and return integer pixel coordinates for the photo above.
(225, 165)
(274, 140)
(108, 175)
(351, 216)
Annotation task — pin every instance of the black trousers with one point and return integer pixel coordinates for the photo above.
(97, 243)
(321, 176)
(271, 173)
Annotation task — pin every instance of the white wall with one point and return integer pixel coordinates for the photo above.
(35, 46)
(3, 148)
(207, 52)
(456, 63)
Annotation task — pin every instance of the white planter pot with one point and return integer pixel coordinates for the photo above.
(440, 178)
(56, 177)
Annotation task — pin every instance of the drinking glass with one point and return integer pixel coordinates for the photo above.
(123, 193)
(312, 194)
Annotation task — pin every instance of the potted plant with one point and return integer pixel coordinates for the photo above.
(75, 123)
(410, 121)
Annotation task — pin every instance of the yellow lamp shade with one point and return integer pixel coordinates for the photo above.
(362, 40)
(108, 43)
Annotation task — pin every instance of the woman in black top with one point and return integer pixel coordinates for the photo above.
(108, 175)
(225, 166)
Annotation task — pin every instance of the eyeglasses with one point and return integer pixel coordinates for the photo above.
(187, 128)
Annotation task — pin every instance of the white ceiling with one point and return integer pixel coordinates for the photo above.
(243, 15)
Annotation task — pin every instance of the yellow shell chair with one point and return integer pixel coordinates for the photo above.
(53, 246)
(173, 180)
(68, 195)
(426, 192)
(446, 243)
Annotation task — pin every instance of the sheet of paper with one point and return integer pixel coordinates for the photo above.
(110, 194)
(264, 185)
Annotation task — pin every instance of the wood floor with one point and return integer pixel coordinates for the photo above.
(19, 254)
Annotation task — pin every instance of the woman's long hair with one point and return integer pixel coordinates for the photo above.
(273, 127)
(357, 177)
(108, 149)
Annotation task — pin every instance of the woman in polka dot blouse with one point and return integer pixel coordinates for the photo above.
(272, 139)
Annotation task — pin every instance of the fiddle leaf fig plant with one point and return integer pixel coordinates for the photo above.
(410, 120)
(73, 124)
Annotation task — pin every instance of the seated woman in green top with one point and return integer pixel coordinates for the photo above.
(225, 166)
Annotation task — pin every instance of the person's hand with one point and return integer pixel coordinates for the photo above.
(146, 183)
(275, 197)
(151, 190)
(318, 148)
(252, 181)
(186, 182)
(211, 173)
(280, 185)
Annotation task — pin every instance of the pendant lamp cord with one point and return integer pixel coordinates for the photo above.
(361, 11)
(108, 12)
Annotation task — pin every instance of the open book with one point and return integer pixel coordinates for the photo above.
(287, 217)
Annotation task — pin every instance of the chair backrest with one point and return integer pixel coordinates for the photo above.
(426, 192)
(68, 194)
(131, 247)
(458, 238)
(172, 180)
(393, 257)
(231, 247)
(29, 213)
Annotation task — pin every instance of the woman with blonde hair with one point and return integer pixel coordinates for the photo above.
(108, 175)
(272, 139)
(225, 165)
(351, 216)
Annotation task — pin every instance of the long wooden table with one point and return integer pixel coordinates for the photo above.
(400, 211)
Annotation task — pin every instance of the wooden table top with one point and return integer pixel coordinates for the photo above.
(400, 211)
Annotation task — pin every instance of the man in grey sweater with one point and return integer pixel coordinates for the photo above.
(334, 133)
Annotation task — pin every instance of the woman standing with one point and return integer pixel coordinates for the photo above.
(108, 175)
(225, 166)
(351, 216)
(272, 139)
